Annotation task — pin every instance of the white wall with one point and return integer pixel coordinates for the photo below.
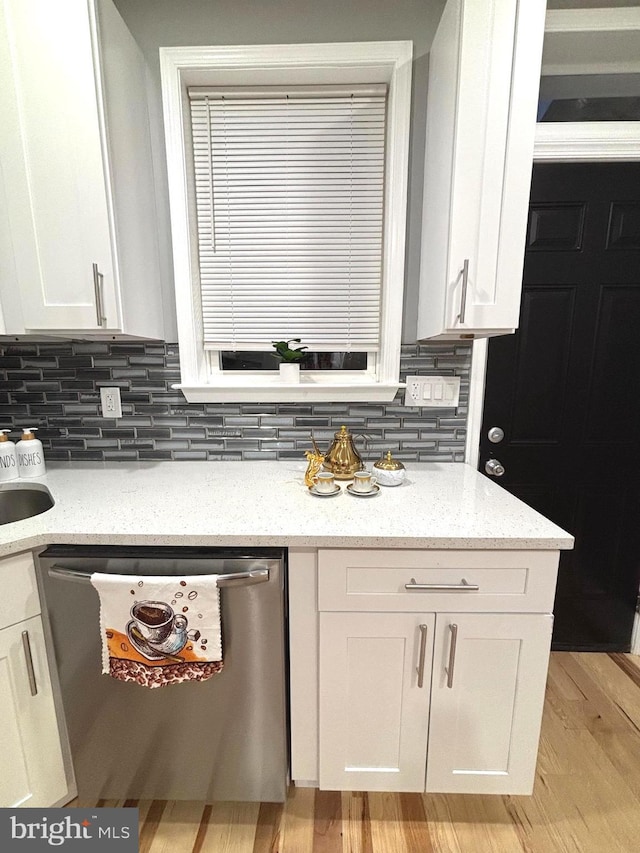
(156, 23)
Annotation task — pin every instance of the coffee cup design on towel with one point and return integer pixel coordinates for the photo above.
(159, 630)
(156, 621)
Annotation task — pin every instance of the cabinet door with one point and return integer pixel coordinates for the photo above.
(488, 683)
(61, 145)
(31, 766)
(484, 71)
(20, 599)
(14, 187)
(373, 712)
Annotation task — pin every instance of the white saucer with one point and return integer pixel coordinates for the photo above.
(371, 493)
(314, 491)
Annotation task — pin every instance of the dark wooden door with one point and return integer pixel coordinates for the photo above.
(566, 391)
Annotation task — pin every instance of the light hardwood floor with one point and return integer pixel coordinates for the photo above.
(586, 797)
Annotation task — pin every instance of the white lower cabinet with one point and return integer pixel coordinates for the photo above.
(487, 693)
(433, 681)
(375, 679)
(32, 766)
(471, 723)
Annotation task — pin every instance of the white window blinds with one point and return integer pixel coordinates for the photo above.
(289, 199)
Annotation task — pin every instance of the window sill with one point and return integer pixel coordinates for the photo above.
(270, 389)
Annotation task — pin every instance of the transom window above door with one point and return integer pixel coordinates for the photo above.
(589, 106)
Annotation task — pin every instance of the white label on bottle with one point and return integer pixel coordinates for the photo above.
(26, 460)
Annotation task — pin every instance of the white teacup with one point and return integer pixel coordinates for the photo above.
(324, 482)
(363, 481)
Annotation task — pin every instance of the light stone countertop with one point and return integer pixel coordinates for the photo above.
(440, 505)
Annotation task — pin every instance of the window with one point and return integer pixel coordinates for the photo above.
(289, 201)
(590, 85)
(287, 170)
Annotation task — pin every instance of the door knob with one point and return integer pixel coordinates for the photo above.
(495, 435)
(494, 468)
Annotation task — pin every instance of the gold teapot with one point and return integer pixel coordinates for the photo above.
(342, 458)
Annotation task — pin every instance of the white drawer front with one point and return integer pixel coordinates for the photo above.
(19, 597)
(463, 581)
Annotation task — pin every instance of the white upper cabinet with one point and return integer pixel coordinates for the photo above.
(484, 73)
(75, 155)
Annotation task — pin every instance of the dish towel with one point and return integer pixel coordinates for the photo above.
(159, 630)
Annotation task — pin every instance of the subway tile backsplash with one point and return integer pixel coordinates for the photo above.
(56, 387)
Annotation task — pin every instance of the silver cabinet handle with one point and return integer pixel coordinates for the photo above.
(423, 651)
(452, 654)
(463, 294)
(234, 579)
(26, 647)
(463, 586)
(98, 281)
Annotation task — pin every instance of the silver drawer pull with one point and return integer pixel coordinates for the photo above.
(26, 647)
(463, 586)
(452, 654)
(423, 651)
(233, 579)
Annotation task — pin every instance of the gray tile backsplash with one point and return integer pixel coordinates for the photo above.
(56, 387)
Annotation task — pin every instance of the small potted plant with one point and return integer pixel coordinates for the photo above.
(289, 359)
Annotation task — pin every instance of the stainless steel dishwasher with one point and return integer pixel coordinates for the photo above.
(222, 739)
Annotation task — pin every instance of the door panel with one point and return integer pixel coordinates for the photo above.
(486, 702)
(14, 778)
(555, 227)
(564, 389)
(31, 763)
(373, 711)
(68, 229)
(541, 370)
(615, 350)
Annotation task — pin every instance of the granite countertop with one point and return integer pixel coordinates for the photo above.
(440, 505)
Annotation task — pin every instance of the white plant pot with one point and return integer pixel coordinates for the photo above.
(289, 372)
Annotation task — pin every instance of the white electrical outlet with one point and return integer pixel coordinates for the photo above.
(412, 394)
(439, 392)
(111, 405)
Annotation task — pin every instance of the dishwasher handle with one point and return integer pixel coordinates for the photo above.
(235, 579)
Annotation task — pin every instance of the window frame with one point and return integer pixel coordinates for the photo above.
(341, 63)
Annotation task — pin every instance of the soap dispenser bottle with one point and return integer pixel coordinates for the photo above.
(8, 458)
(30, 454)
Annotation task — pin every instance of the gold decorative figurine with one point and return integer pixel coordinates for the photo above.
(315, 459)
